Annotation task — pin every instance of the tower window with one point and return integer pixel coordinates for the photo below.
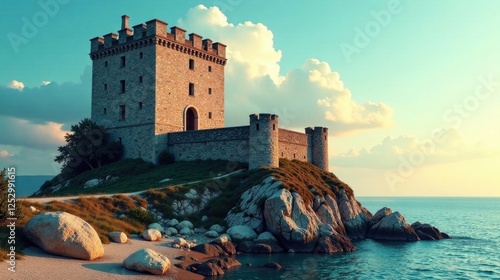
(209, 68)
(105, 111)
(140, 105)
(274, 126)
(123, 61)
(141, 55)
(140, 79)
(122, 112)
(105, 86)
(106, 63)
(256, 126)
(325, 137)
(122, 86)
(191, 64)
(191, 89)
(209, 115)
(209, 90)
(120, 140)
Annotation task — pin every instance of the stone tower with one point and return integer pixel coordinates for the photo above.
(147, 82)
(263, 148)
(318, 146)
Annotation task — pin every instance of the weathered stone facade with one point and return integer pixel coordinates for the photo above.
(156, 90)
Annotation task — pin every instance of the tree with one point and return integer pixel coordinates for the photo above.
(88, 147)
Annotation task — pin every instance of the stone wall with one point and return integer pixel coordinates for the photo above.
(293, 145)
(223, 143)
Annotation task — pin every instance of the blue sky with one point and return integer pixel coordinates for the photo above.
(409, 89)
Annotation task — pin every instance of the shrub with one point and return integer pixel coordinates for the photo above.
(141, 216)
(165, 158)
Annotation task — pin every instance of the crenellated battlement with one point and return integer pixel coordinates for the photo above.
(154, 32)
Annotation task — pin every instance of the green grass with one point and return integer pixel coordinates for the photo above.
(137, 175)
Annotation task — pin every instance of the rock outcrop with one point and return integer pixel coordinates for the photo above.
(392, 227)
(63, 234)
(147, 260)
(428, 232)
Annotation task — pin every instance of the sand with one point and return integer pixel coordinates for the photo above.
(36, 264)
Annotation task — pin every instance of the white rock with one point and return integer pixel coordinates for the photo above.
(123, 216)
(118, 237)
(180, 241)
(185, 231)
(91, 183)
(165, 180)
(173, 223)
(241, 233)
(151, 234)
(211, 234)
(147, 260)
(185, 224)
(157, 226)
(33, 209)
(218, 228)
(63, 234)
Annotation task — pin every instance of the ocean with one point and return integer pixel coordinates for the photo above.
(472, 253)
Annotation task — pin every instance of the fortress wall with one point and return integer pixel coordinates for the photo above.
(221, 143)
(137, 140)
(293, 145)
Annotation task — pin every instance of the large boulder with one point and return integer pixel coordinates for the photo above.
(151, 234)
(428, 232)
(393, 227)
(217, 228)
(241, 233)
(63, 234)
(354, 216)
(92, 183)
(147, 260)
(184, 224)
(118, 237)
(211, 234)
(268, 238)
(157, 226)
(212, 250)
(209, 269)
(293, 223)
(382, 213)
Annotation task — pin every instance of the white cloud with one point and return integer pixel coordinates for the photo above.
(16, 85)
(446, 145)
(310, 95)
(45, 83)
(19, 132)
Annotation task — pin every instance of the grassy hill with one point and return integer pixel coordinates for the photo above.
(136, 175)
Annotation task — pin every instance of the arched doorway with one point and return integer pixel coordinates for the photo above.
(191, 119)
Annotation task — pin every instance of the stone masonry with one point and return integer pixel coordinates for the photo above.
(156, 90)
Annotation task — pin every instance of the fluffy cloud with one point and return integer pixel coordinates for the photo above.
(65, 103)
(446, 145)
(16, 85)
(19, 132)
(311, 94)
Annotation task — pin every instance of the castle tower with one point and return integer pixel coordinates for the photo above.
(147, 82)
(318, 146)
(263, 141)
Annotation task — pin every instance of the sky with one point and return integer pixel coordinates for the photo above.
(408, 89)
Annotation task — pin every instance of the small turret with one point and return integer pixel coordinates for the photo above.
(318, 146)
(263, 141)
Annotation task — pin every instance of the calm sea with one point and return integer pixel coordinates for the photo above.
(472, 253)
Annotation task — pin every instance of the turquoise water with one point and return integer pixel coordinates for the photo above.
(472, 253)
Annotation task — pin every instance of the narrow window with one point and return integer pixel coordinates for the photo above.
(191, 89)
(123, 61)
(274, 126)
(140, 79)
(256, 126)
(120, 140)
(106, 63)
(105, 86)
(209, 115)
(293, 155)
(122, 86)
(209, 68)
(140, 105)
(209, 90)
(141, 55)
(122, 112)
(325, 137)
(105, 111)
(191, 64)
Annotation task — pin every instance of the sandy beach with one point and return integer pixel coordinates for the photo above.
(36, 264)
